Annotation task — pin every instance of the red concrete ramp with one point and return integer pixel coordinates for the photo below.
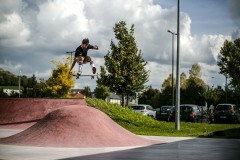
(77, 126)
(20, 110)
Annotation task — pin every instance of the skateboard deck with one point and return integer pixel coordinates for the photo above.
(86, 75)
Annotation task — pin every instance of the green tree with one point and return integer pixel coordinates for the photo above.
(183, 80)
(167, 84)
(32, 81)
(7, 78)
(166, 91)
(150, 96)
(192, 89)
(229, 64)
(195, 87)
(24, 81)
(125, 66)
(87, 91)
(101, 92)
(195, 71)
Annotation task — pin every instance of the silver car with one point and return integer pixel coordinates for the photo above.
(144, 109)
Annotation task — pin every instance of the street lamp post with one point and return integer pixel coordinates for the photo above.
(177, 107)
(226, 88)
(19, 84)
(172, 65)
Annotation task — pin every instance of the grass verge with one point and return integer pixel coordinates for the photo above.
(143, 125)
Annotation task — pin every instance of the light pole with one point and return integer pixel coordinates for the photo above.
(177, 107)
(71, 54)
(226, 88)
(19, 84)
(172, 65)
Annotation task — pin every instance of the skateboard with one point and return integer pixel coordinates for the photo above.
(87, 75)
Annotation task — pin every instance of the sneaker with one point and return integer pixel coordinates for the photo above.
(94, 70)
(79, 73)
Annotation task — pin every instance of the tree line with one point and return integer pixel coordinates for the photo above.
(193, 90)
(28, 84)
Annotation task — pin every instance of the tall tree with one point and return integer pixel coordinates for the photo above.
(195, 87)
(87, 91)
(32, 81)
(125, 66)
(102, 91)
(229, 64)
(195, 71)
(183, 80)
(167, 84)
(7, 78)
(150, 96)
(229, 61)
(166, 92)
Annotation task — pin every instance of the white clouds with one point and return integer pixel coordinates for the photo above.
(13, 32)
(158, 73)
(203, 48)
(56, 26)
(60, 21)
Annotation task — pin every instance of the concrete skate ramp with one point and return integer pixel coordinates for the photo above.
(77, 126)
(22, 110)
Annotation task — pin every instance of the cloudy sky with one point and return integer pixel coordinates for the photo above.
(33, 32)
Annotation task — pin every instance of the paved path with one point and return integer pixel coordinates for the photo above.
(179, 148)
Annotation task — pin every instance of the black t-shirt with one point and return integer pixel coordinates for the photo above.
(82, 52)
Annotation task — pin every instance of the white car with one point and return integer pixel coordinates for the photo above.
(144, 109)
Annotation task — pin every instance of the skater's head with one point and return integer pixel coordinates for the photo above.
(85, 43)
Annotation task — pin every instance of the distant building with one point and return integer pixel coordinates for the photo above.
(10, 92)
(113, 98)
(116, 99)
(75, 91)
(78, 95)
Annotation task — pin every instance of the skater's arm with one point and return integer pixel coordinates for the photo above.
(93, 47)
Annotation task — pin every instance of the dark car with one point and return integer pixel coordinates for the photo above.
(226, 113)
(157, 113)
(171, 115)
(162, 113)
(188, 113)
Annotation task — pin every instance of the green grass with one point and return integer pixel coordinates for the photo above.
(10, 87)
(143, 125)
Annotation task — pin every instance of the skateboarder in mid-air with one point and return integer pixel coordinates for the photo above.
(81, 56)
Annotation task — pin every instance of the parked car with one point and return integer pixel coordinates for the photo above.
(157, 110)
(226, 113)
(171, 115)
(188, 113)
(144, 109)
(162, 113)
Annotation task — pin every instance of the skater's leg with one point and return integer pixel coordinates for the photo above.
(93, 67)
(90, 59)
(80, 62)
(80, 67)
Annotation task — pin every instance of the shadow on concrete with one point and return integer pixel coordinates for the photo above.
(194, 149)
